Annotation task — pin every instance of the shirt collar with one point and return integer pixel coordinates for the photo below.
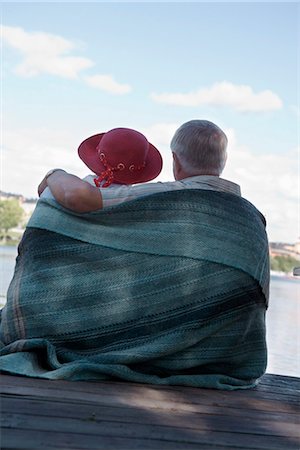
(214, 181)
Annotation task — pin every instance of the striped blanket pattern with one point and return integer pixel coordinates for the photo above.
(168, 289)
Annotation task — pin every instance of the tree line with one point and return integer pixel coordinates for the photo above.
(284, 263)
(11, 215)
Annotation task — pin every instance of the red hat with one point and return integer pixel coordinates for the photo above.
(121, 156)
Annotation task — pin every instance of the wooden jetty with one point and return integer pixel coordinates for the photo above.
(40, 414)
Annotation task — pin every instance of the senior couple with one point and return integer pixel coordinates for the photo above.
(162, 282)
(199, 157)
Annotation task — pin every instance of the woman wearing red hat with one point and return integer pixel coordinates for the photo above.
(121, 156)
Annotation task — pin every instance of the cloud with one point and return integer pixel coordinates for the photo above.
(29, 153)
(239, 97)
(107, 83)
(44, 53)
(160, 133)
(270, 182)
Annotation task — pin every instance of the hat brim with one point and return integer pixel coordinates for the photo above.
(153, 165)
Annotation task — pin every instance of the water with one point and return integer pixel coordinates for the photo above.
(283, 335)
(7, 264)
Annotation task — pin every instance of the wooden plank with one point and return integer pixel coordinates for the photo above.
(39, 440)
(137, 432)
(59, 414)
(282, 383)
(284, 386)
(164, 401)
(149, 396)
(212, 422)
(286, 382)
(70, 408)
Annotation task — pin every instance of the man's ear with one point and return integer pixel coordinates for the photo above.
(176, 165)
(225, 160)
(177, 168)
(176, 160)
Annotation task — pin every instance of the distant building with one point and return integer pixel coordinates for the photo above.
(282, 249)
(9, 196)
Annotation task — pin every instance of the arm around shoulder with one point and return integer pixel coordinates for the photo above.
(74, 193)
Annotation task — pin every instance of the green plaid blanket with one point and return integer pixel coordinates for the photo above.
(167, 289)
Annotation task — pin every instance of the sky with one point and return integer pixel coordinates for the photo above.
(74, 69)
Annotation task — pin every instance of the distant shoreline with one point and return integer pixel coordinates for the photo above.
(9, 244)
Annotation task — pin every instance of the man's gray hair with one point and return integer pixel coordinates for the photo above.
(200, 146)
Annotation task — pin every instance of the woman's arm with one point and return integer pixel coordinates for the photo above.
(72, 192)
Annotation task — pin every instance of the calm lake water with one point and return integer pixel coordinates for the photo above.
(283, 314)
